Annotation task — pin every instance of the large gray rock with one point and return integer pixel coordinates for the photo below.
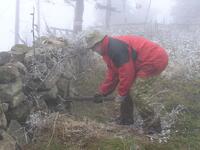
(19, 113)
(18, 52)
(3, 121)
(21, 68)
(48, 82)
(42, 68)
(4, 58)
(12, 88)
(53, 42)
(7, 142)
(17, 100)
(16, 131)
(8, 74)
(12, 93)
(4, 107)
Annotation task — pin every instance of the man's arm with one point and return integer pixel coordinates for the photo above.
(120, 54)
(110, 82)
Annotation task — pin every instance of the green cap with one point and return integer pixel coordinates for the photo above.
(93, 38)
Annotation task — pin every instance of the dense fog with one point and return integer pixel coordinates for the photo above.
(16, 18)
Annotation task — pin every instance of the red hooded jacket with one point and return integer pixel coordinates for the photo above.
(129, 57)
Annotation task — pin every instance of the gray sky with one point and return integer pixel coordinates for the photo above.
(56, 15)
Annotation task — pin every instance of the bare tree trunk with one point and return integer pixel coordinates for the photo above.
(78, 18)
(38, 17)
(124, 10)
(17, 21)
(148, 11)
(108, 14)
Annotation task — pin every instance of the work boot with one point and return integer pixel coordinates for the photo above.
(126, 112)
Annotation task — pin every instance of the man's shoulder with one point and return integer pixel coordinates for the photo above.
(128, 37)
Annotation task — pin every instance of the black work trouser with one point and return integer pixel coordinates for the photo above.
(126, 111)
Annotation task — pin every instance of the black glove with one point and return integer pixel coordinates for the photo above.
(98, 98)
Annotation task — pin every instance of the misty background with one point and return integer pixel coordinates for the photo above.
(17, 16)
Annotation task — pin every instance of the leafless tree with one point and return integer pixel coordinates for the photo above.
(17, 21)
(78, 16)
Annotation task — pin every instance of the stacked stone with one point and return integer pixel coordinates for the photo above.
(33, 79)
(11, 99)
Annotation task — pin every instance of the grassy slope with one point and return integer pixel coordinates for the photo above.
(179, 91)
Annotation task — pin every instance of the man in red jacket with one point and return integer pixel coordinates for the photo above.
(127, 57)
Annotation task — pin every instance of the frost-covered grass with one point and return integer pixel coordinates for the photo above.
(87, 134)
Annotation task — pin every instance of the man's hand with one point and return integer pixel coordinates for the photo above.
(98, 98)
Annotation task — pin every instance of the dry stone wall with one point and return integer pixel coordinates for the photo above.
(30, 82)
